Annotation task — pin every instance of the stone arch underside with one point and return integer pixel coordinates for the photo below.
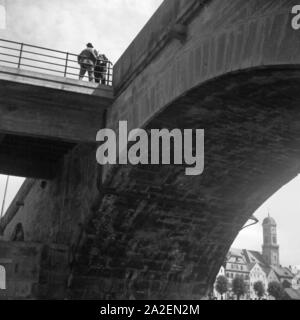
(159, 234)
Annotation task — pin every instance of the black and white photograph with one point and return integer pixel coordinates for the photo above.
(150, 151)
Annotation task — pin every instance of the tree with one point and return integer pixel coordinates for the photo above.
(259, 289)
(286, 284)
(238, 287)
(222, 285)
(276, 290)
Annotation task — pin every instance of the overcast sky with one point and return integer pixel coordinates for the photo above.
(111, 25)
(284, 207)
(68, 25)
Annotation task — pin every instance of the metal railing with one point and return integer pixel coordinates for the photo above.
(49, 61)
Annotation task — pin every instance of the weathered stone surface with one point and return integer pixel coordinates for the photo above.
(42, 117)
(54, 211)
(29, 267)
(151, 232)
(224, 37)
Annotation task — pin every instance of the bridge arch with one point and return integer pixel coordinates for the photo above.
(176, 229)
(222, 37)
(236, 76)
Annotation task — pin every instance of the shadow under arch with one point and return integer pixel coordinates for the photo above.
(18, 233)
(250, 115)
(252, 144)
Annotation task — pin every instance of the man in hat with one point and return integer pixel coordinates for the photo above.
(87, 60)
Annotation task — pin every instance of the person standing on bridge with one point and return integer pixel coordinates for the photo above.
(87, 61)
(101, 69)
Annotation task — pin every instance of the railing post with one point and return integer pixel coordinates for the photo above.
(110, 75)
(66, 66)
(106, 75)
(60, 67)
(20, 57)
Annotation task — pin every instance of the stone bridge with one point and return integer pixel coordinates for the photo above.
(42, 117)
(151, 232)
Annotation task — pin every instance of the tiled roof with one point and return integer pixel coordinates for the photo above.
(293, 294)
(267, 270)
(251, 258)
(236, 252)
(283, 272)
(251, 266)
(255, 257)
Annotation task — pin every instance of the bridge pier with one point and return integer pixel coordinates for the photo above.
(31, 271)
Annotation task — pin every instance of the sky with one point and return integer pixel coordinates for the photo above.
(284, 207)
(67, 25)
(111, 25)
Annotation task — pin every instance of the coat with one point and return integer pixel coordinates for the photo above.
(88, 53)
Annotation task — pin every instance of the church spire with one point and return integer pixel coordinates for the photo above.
(270, 246)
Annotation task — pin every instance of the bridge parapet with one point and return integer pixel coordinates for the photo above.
(54, 62)
(44, 116)
(166, 24)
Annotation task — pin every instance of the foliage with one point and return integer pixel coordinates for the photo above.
(222, 285)
(286, 284)
(276, 290)
(259, 289)
(238, 287)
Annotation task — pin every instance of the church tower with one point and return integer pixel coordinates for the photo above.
(270, 246)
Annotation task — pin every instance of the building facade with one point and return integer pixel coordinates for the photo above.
(296, 280)
(264, 267)
(257, 274)
(236, 266)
